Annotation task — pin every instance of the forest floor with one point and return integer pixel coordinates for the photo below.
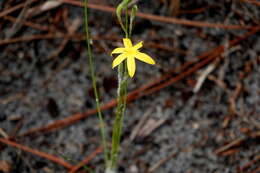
(196, 111)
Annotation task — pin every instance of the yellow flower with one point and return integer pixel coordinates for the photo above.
(130, 52)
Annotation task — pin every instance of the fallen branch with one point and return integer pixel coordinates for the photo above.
(14, 8)
(86, 160)
(37, 153)
(161, 18)
(27, 23)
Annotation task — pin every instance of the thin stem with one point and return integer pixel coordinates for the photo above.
(118, 120)
(93, 77)
(121, 105)
(126, 23)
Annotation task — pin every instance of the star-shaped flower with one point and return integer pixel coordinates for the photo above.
(130, 52)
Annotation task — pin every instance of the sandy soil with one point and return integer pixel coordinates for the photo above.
(213, 130)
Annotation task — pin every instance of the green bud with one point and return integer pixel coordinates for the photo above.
(123, 5)
(132, 17)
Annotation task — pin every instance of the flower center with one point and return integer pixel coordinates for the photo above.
(131, 51)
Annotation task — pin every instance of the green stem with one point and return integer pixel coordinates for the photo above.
(93, 77)
(121, 106)
(126, 23)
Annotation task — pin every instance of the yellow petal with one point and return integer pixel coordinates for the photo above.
(118, 50)
(145, 58)
(127, 42)
(118, 60)
(138, 45)
(131, 66)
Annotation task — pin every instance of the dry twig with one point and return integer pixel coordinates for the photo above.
(237, 142)
(86, 160)
(37, 153)
(17, 24)
(27, 23)
(162, 18)
(161, 162)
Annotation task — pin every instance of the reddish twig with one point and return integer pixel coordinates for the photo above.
(197, 10)
(189, 22)
(86, 160)
(14, 8)
(236, 143)
(47, 36)
(156, 85)
(160, 18)
(67, 121)
(228, 146)
(37, 153)
(17, 24)
(31, 38)
(27, 23)
(145, 16)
